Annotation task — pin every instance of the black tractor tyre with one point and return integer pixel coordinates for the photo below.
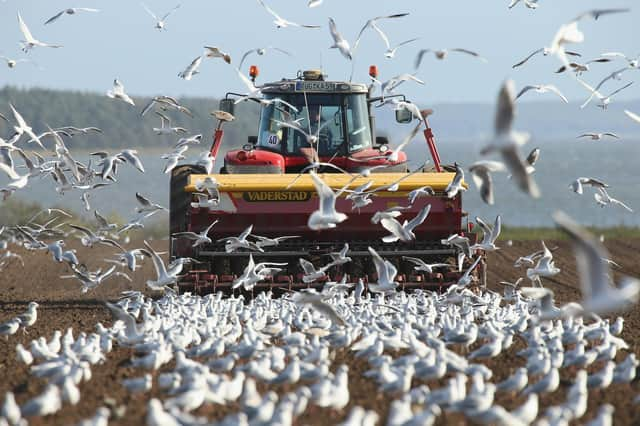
(180, 200)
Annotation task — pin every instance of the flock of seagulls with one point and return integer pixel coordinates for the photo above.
(222, 349)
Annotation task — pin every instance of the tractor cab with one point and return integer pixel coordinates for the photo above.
(306, 116)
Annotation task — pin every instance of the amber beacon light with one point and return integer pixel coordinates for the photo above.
(373, 71)
(253, 72)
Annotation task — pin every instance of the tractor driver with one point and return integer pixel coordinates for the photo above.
(325, 138)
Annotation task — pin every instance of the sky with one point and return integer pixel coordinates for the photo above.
(121, 41)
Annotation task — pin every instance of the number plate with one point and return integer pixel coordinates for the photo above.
(315, 86)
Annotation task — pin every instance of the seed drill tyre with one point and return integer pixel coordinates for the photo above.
(180, 200)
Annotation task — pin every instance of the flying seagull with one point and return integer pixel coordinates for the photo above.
(280, 21)
(71, 11)
(543, 88)
(29, 41)
(117, 92)
(160, 22)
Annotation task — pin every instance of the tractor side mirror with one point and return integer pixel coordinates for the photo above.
(227, 105)
(382, 140)
(252, 140)
(403, 115)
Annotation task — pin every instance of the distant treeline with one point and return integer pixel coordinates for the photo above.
(121, 123)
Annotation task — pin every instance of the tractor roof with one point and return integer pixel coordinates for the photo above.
(312, 81)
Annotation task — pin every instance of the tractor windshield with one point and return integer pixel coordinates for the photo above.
(339, 124)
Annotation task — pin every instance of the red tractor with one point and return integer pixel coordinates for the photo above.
(261, 185)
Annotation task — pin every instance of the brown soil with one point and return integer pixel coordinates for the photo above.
(62, 305)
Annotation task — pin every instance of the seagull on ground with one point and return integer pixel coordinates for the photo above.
(160, 22)
(280, 22)
(29, 41)
(117, 92)
(70, 11)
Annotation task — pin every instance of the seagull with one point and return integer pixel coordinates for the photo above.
(214, 52)
(603, 198)
(17, 181)
(317, 302)
(22, 126)
(191, 70)
(133, 332)
(12, 63)
(604, 100)
(9, 328)
(371, 23)
(326, 216)
(543, 88)
(272, 242)
(71, 11)
(234, 243)
(598, 136)
(165, 102)
(404, 231)
(199, 239)
(481, 175)
(578, 184)
(508, 140)
(253, 273)
(457, 183)
(260, 51)
(131, 156)
(580, 68)
(545, 266)
(30, 316)
(545, 51)
(340, 258)
(599, 296)
(633, 116)
(174, 157)
(442, 54)
(566, 34)
(597, 13)
(280, 22)
(90, 238)
(165, 126)
(29, 41)
(160, 22)
(531, 4)
(117, 92)
(490, 234)
(339, 42)
(164, 276)
(423, 191)
(390, 85)
(421, 265)
(386, 273)
(312, 274)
